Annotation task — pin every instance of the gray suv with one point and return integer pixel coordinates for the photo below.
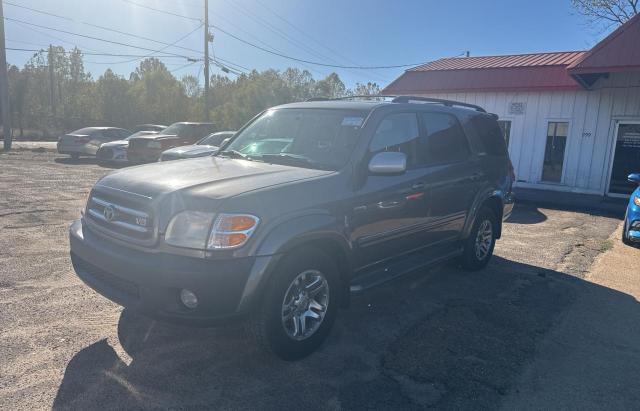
(280, 235)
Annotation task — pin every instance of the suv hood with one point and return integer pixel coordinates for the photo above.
(192, 150)
(117, 143)
(210, 177)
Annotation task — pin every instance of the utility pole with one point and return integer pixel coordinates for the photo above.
(206, 60)
(52, 101)
(4, 87)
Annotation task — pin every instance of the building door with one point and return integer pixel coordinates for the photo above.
(554, 151)
(626, 159)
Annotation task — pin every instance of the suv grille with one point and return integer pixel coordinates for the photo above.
(121, 218)
(105, 154)
(137, 143)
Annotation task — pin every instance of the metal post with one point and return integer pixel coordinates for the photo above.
(52, 101)
(4, 87)
(206, 60)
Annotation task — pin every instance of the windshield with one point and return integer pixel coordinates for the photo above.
(141, 133)
(191, 131)
(314, 138)
(214, 139)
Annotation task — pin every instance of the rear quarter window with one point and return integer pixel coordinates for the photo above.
(486, 135)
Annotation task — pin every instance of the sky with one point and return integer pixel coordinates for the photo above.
(346, 33)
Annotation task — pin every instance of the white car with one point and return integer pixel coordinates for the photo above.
(86, 141)
(205, 147)
(115, 152)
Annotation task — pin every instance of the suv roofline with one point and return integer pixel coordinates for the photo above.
(404, 99)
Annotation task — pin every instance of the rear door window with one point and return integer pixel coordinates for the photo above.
(443, 140)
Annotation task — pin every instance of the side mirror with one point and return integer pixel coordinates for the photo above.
(634, 178)
(225, 141)
(388, 162)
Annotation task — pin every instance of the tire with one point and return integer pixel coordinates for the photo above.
(473, 259)
(75, 156)
(625, 239)
(266, 326)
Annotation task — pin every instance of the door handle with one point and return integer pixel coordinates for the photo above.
(385, 205)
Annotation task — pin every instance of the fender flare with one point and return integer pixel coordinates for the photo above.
(477, 205)
(288, 234)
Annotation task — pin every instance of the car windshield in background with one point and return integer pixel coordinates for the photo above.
(188, 130)
(313, 138)
(214, 139)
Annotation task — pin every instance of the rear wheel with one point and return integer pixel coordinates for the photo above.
(299, 307)
(478, 247)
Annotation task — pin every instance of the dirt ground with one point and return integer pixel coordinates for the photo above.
(532, 325)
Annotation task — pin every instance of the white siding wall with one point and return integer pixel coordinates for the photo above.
(592, 116)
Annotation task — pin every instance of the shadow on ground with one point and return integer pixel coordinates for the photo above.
(443, 338)
(526, 214)
(76, 161)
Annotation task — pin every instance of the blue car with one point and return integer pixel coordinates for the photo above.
(631, 230)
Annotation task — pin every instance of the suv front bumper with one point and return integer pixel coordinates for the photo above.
(150, 282)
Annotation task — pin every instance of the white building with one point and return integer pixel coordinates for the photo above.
(571, 119)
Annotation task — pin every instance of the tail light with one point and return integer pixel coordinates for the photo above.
(512, 172)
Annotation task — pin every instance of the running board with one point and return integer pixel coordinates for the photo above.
(406, 266)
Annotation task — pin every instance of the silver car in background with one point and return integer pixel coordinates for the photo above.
(204, 147)
(86, 141)
(115, 152)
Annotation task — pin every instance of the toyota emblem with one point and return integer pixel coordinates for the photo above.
(109, 212)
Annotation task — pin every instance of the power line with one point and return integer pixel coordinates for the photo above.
(317, 63)
(96, 54)
(93, 38)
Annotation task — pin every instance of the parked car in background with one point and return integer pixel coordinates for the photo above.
(363, 193)
(148, 127)
(115, 152)
(86, 141)
(144, 149)
(204, 147)
(631, 227)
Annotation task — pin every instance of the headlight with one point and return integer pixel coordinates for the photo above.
(231, 231)
(154, 144)
(636, 201)
(189, 229)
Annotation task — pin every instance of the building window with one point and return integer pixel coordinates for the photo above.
(554, 151)
(505, 127)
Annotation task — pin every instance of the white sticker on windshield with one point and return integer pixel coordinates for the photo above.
(352, 121)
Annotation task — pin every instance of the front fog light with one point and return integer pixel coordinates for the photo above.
(188, 298)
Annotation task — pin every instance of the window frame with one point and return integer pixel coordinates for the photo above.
(564, 156)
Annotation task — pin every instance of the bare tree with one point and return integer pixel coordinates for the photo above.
(606, 13)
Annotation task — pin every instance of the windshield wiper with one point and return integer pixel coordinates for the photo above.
(233, 154)
(293, 160)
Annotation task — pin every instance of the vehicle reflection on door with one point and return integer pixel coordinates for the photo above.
(626, 158)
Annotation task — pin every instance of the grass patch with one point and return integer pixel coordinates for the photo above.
(606, 245)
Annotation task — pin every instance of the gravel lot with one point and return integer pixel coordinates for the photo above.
(442, 338)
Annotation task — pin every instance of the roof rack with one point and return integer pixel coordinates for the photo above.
(448, 103)
(404, 99)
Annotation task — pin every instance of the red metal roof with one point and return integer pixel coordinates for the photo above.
(519, 60)
(619, 51)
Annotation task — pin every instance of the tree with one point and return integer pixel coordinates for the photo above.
(606, 13)
(368, 89)
(330, 87)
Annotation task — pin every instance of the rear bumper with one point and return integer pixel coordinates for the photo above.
(144, 155)
(151, 282)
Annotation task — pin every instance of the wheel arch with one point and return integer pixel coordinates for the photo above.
(492, 200)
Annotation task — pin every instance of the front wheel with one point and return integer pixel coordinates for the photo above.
(299, 307)
(625, 239)
(478, 248)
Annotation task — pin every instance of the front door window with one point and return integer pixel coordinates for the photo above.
(554, 151)
(626, 159)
